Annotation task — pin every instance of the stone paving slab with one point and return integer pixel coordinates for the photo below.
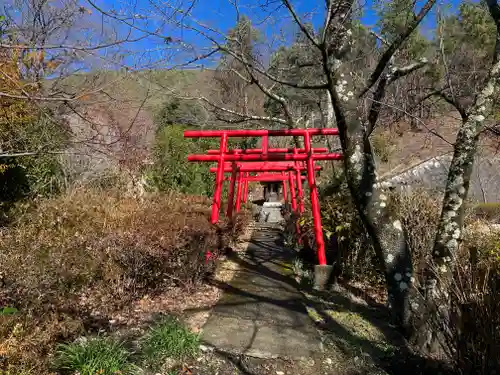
(261, 313)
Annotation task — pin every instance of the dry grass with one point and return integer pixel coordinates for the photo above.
(473, 331)
(419, 212)
(475, 296)
(489, 212)
(69, 264)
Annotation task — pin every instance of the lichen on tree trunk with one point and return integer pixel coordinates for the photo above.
(439, 272)
(457, 185)
(371, 198)
(374, 206)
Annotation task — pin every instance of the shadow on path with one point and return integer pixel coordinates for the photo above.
(262, 314)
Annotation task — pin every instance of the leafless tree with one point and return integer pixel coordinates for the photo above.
(330, 56)
(451, 223)
(65, 53)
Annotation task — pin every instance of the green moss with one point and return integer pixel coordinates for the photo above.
(314, 315)
(356, 324)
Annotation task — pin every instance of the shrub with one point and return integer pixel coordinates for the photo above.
(419, 213)
(172, 171)
(89, 251)
(32, 175)
(168, 339)
(349, 248)
(26, 129)
(472, 334)
(103, 356)
(83, 238)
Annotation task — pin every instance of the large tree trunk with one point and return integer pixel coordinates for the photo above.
(450, 227)
(372, 201)
(371, 198)
(439, 273)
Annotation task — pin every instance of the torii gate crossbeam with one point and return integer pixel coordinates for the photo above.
(308, 155)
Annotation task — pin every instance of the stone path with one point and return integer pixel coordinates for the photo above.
(261, 312)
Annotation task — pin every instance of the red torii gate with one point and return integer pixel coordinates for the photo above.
(242, 170)
(290, 171)
(266, 154)
(269, 150)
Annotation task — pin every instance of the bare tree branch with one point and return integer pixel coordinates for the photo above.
(376, 105)
(30, 153)
(455, 103)
(453, 99)
(300, 24)
(389, 52)
(71, 47)
(252, 66)
(380, 37)
(28, 96)
(443, 95)
(394, 74)
(433, 132)
(283, 102)
(397, 73)
(241, 58)
(156, 33)
(244, 117)
(328, 21)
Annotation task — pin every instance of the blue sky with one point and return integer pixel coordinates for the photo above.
(222, 12)
(221, 15)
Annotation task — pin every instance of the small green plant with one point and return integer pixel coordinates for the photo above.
(6, 310)
(169, 339)
(96, 356)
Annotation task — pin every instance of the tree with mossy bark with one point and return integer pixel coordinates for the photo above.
(331, 50)
(357, 101)
(439, 273)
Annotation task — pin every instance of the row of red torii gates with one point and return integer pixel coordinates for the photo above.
(271, 165)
